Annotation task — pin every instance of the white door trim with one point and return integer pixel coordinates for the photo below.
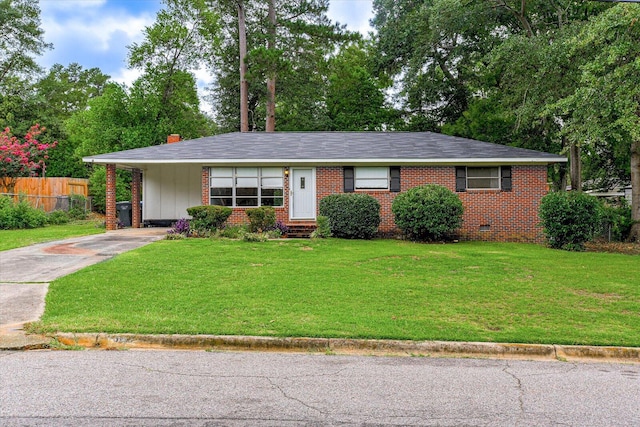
(312, 195)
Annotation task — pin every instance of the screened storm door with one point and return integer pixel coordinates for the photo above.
(303, 193)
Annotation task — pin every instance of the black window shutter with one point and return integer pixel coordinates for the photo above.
(394, 174)
(349, 182)
(461, 178)
(505, 175)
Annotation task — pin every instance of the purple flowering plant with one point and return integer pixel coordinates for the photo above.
(182, 226)
(281, 227)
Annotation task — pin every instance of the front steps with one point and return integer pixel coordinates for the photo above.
(301, 229)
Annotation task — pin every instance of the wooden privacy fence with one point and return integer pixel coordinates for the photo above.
(50, 194)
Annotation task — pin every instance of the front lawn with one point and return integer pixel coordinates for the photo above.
(11, 239)
(360, 289)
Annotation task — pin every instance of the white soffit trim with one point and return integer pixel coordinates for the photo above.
(323, 162)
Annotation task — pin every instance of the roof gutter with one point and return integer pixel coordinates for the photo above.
(333, 162)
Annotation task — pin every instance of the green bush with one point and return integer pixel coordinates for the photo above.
(323, 229)
(351, 215)
(617, 221)
(261, 219)
(233, 231)
(208, 218)
(428, 212)
(20, 215)
(58, 217)
(6, 213)
(570, 219)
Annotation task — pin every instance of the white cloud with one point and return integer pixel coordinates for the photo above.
(355, 13)
(126, 76)
(93, 29)
(93, 33)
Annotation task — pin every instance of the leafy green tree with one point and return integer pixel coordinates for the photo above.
(355, 98)
(183, 38)
(296, 56)
(433, 47)
(21, 38)
(60, 93)
(605, 108)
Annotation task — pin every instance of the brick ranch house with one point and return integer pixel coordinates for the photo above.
(500, 186)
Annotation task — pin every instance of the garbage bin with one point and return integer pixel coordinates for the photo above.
(123, 210)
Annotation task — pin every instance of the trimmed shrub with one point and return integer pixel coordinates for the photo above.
(570, 219)
(261, 219)
(428, 212)
(351, 215)
(208, 218)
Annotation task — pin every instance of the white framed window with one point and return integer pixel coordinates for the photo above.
(246, 186)
(483, 178)
(372, 178)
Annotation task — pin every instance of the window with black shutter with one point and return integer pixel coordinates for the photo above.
(349, 181)
(505, 173)
(461, 178)
(394, 175)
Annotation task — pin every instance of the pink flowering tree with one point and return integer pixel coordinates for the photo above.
(19, 158)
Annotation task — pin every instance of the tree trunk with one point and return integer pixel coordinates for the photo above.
(244, 86)
(562, 177)
(8, 184)
(271, 78)
(575, 163)
(635, 191)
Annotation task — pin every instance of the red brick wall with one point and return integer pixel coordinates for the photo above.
(111, 221)
(509, 215)
(136, 187)
(503, 215)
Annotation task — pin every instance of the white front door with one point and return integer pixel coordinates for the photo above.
(302, 193)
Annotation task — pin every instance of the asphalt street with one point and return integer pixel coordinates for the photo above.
(199, 388)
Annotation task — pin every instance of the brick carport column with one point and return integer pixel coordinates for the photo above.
(136, 182)
(205, 186)
(110, 202)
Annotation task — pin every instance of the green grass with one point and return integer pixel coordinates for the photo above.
(11, 239)
(360, 289)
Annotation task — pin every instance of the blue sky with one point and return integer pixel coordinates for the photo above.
(96, 33)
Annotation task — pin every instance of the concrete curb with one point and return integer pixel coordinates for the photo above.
(354, 346)
(21, 342)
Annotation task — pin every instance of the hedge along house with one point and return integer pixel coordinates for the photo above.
(500, 186)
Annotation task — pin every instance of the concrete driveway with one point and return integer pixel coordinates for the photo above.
(25, 272)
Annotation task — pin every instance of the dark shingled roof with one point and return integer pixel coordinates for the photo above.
(328, 148)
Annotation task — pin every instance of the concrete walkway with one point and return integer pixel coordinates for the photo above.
(25, 274)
